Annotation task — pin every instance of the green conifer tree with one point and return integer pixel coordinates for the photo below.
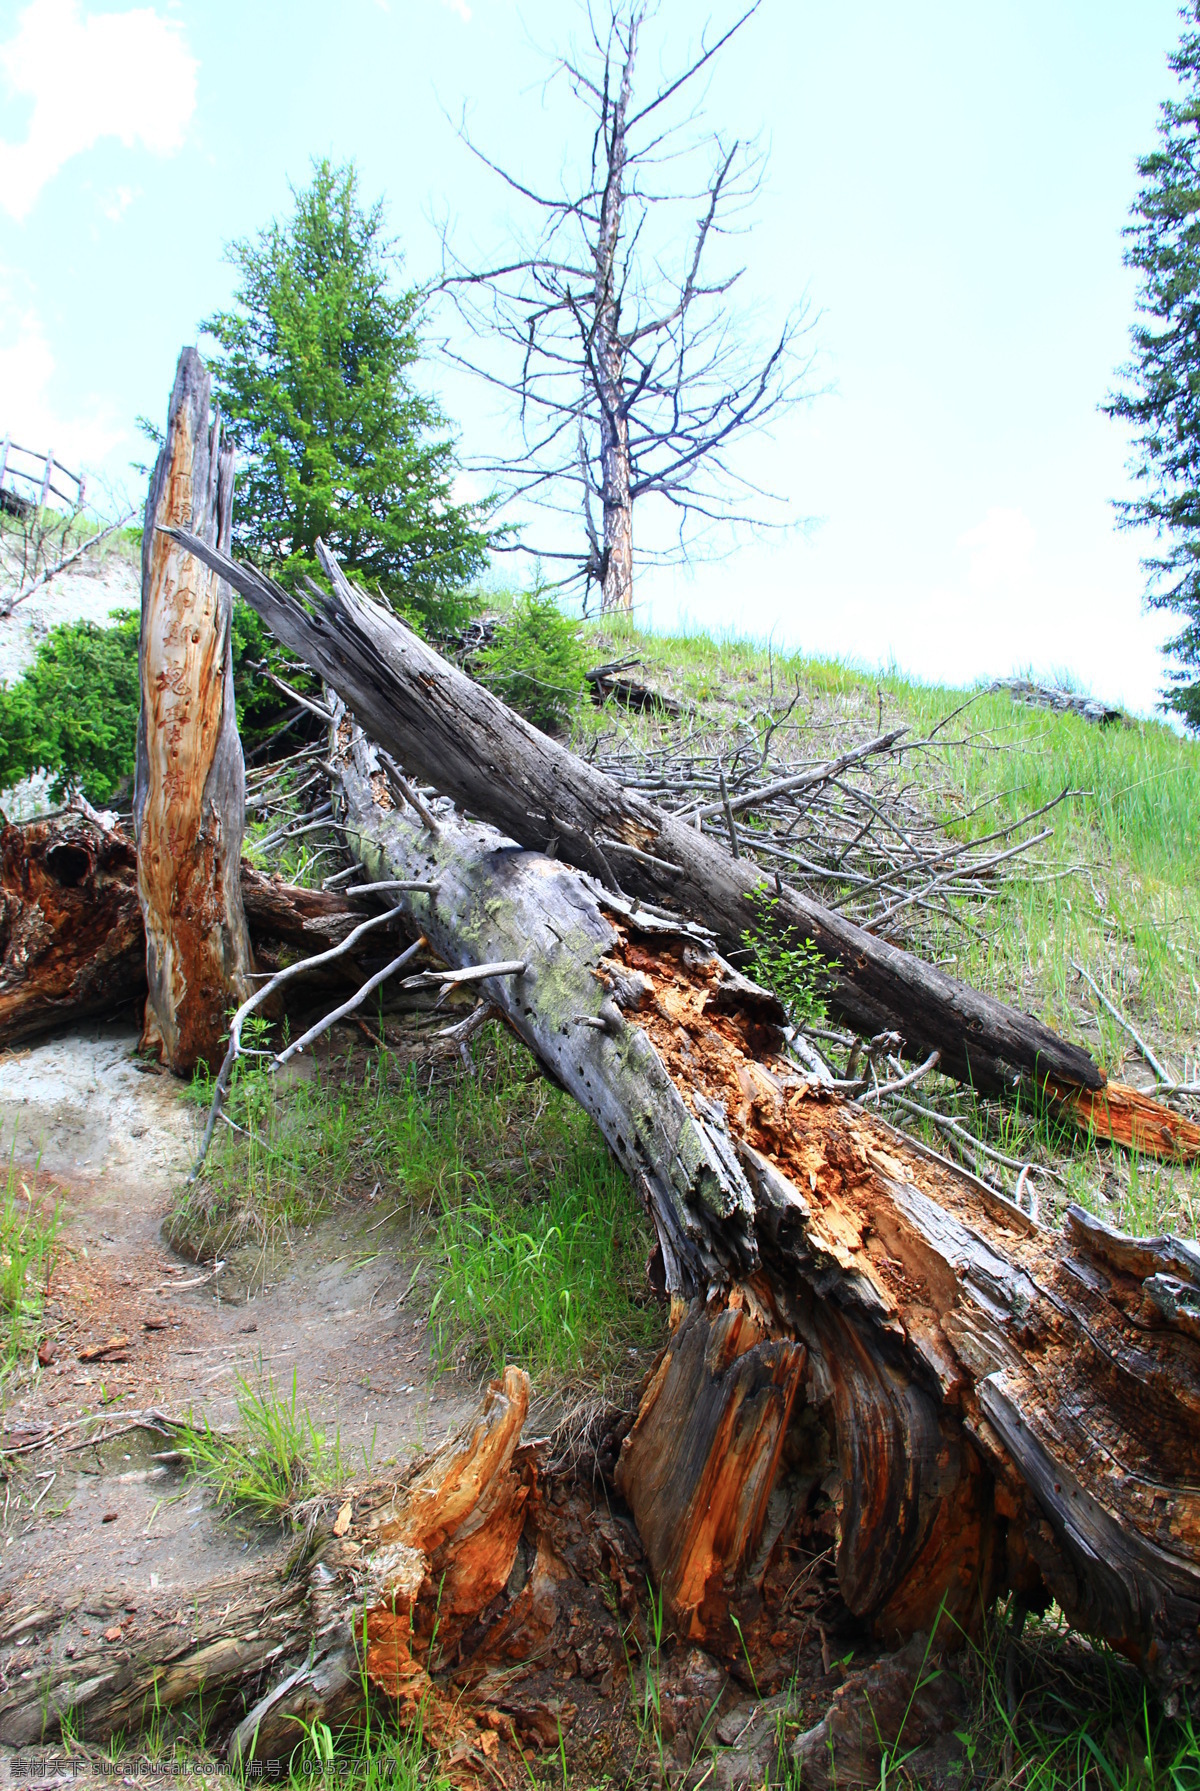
(334, 439)
(1161, 396)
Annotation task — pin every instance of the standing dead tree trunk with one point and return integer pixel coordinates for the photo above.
(189, 790)
(612, 323)
(604, 360)
(447, 729)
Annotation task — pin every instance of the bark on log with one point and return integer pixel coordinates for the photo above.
(72, 939)
(1007, 1407)
(458, 736)
(1012, 1407)
(189, 787)
(312, 919)
(72, 942)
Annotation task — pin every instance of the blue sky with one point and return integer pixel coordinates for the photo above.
(947, 186)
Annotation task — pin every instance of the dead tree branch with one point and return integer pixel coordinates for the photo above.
(612, 328)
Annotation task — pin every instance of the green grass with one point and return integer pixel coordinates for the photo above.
(275, 1456)
(374, 1758)
(1054, 1713)
(539, 1248)
(1115, 888)
(538, 1272)
(535, 1244)
(298, 1147)
(28, 1248)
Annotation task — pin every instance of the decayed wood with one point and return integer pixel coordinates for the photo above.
(702, 1459)
(1001, 1405)
(479, 1556)
(72, 939)
(1011, 1406)
(455, 734)
(189, 787)
(1126, 1116)
(72, 943)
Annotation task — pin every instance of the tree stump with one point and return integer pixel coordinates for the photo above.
(189, 791)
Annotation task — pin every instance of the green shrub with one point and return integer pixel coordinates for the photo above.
(796, 972)
(74, 713)
(537, 661)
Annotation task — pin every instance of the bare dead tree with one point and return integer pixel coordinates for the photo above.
(617, 335)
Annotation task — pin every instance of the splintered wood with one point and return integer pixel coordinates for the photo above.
(189, 799)
(450, 1550)
(1007, 1406)
(72, 942)
(1126, 1116)
(1049, 1374)
(701, 1462)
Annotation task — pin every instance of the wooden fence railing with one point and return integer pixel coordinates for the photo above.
(41, 478)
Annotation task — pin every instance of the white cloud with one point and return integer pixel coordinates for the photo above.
(29, 414)
(460, 8)
(117, 203)
(127, 75)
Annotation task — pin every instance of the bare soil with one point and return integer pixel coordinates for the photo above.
(339, 1316)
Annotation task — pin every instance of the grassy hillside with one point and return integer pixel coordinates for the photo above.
(1114, 890)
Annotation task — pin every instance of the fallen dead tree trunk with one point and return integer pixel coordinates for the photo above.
(992, 1406)
(72, 940)
(457, 735)
(1012, 1407)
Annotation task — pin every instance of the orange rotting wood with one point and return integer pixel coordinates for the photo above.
(699, 1465)
(445, 1555)
(1088, 1367)
(190, 797)
(1123, 1115)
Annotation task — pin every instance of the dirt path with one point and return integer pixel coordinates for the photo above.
(342, 1323)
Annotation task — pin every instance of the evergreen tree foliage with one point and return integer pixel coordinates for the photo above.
(1161, 397)
(537, 661)
(74, 712)
(334, 439)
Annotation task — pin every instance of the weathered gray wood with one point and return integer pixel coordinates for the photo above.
(1011, 1408)
(1007, 1407)
(189, 789)
(458, 736)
